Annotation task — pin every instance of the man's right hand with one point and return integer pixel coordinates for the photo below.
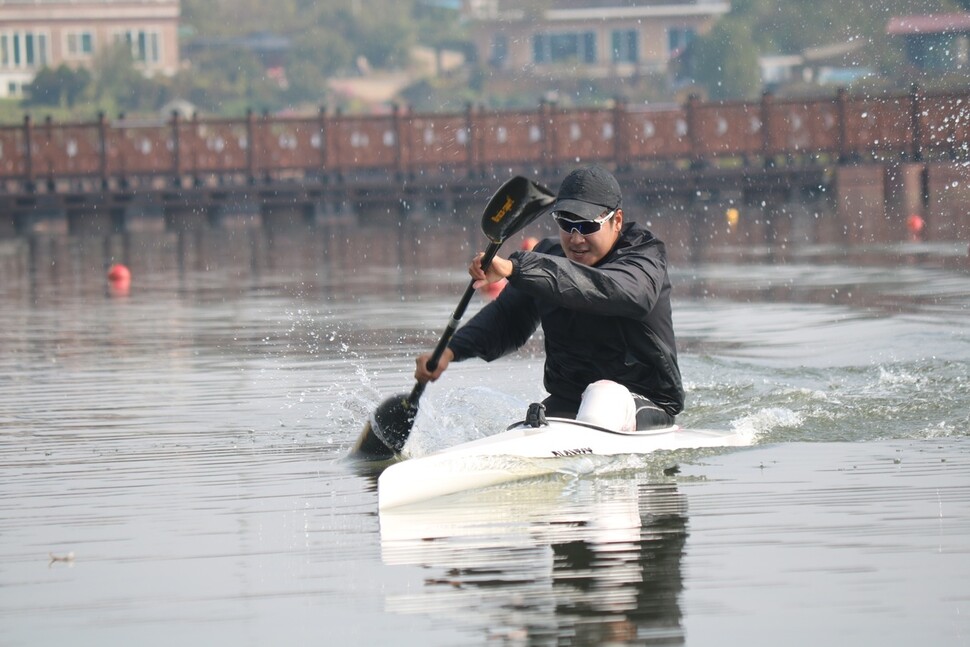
(421, 372)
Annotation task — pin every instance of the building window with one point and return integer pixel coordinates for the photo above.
(24, 49)
(80, 44)
(42, 57)
(145, 45)
(500, 50)
(678, 38)
(625, 46)
(564, 47)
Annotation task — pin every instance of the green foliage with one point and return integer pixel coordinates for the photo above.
(790, 26)
(386, 35)
(725, 61)
(325, 39)
(62, 87)
(222, 79)
(118, 86)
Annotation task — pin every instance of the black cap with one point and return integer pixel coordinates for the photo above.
(587, 192)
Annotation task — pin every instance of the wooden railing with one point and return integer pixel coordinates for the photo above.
(47, 156)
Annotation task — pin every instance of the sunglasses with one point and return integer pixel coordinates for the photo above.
(581, 227)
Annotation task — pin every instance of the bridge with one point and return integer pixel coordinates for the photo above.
(873, 158)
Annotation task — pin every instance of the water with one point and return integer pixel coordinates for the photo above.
(171, 459)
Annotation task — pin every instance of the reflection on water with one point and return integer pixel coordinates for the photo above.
(183, 443)
(555, 563)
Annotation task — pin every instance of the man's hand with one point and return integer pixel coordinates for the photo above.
(421, 372)
(500, 268)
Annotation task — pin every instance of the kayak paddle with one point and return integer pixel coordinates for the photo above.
(516, 204)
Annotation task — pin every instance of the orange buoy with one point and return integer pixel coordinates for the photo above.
(119, 279)
(915, 224)
(119, 272)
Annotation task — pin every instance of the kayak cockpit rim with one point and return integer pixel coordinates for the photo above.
(589, 425)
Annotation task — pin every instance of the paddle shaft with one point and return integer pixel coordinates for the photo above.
(452, 326)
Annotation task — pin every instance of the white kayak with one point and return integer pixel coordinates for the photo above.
(524, 452)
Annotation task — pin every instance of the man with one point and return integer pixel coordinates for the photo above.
(602, 295)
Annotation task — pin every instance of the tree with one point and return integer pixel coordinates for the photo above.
(118, 85)
(61, 87)
(725, 61)
(385, 36)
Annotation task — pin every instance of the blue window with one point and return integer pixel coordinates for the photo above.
(500, 50)
(678, 38)
(626, 46)
(564, 47)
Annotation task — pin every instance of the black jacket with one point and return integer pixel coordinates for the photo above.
(611, 321)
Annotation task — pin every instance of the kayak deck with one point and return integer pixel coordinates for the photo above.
(523, 452)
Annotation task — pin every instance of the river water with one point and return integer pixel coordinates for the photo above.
(171, 455)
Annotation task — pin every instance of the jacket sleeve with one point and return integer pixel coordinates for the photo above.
(628, 284)
(500, 327)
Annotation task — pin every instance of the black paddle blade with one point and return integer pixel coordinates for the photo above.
(516, 204)
(387, 431)
(369, 447)
(393, 420)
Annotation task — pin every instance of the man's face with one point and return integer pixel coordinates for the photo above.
(591, 248)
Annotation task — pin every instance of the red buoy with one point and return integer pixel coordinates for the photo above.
(119, 280)
(915, 225)
(119, 272)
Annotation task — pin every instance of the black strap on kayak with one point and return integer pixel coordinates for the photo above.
(536, 417)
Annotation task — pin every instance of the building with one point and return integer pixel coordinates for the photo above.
(591, 38)
(935, 42)
(46, 33)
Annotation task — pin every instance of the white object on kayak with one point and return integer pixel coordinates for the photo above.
(524, 451)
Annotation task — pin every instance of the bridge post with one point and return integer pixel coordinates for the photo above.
(906, 194)
(406, 141)
(29, 183)
(262, 150)
(398, 169)
(176, 155)
(49, 163)
(861, 203)
(103, 152)
(122, 176)
(194, 159)
(337, 152)
(250, 147)
(547, 117)
(703, 223)
(916, 121)
(696, 159)
(471, 150)
(767, 154)
(621, 148)
(842, 110)
(322, 134)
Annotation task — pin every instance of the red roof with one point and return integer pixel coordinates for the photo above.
(929, 24)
